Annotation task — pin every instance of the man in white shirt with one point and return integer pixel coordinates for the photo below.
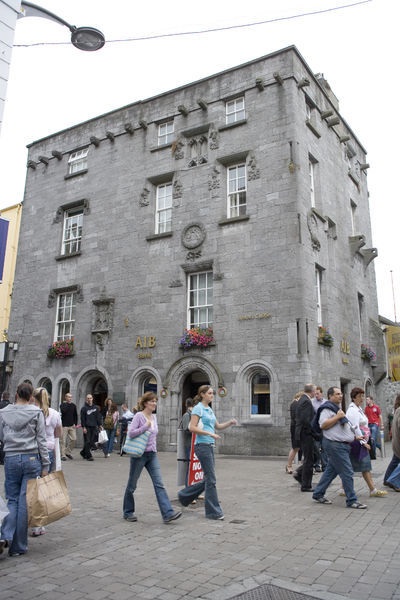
(337, 437)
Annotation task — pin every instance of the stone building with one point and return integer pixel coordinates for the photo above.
(237, 202)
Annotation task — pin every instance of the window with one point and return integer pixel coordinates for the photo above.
(318, 285)
(164, 208)
(311, 170)
(72, 231)
(200, 309)
(235, 110)
(77, 161)
(236, 190)
(166, 133)
(260, 394)
(360, 299)
(353, 208)
(65, 316)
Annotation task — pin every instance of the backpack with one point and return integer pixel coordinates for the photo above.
(109, 422)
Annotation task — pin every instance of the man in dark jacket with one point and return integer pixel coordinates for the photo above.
(69, 420)
(304, 437)
(91, 422)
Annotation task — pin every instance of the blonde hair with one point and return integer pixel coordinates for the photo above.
(202, 390)
(42, 398)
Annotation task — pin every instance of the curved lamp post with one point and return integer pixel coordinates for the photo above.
(83, 38)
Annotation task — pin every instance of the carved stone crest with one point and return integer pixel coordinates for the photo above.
(193, 235)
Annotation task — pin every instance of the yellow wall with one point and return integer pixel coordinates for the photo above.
(13, 215)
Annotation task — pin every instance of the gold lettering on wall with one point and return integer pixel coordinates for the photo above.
(145, 341)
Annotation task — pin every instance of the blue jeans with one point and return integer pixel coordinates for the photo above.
(108, 446)
(205, 454)
(375, 434)
(391, 467)
(149, 460)
(17, 470)
(339, 463)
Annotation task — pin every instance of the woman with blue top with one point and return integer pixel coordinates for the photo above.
(144, 420)
(203, 424)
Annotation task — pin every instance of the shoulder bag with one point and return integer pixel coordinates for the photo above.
(137, 445)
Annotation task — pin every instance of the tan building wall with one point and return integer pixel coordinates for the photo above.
(13, 215)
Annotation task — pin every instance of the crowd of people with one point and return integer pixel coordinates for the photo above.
(337, 443)
(35, 439)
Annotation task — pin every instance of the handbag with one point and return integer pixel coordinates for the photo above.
(358, 451)
(136, 446)
(47, 499)
(103, 437)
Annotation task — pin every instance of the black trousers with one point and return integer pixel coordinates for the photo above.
(90, 439)
(305, 471)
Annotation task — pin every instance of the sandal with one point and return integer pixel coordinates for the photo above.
(289, 470)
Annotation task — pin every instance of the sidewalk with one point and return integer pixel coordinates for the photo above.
(275, 541)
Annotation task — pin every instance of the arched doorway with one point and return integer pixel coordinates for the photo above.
(191, 384)
(47, 385)
(99, 391)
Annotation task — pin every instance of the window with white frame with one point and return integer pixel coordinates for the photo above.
(237, 184)
(200, 300)
(165, 133)
(318, 288)
(260, 394)
(235, 110)
(65, 322)
(72, 231)
(77, 161)
(164, 208)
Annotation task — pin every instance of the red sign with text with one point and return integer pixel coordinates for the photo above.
(196, 473)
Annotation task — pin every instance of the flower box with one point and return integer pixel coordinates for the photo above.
(197, 337)
(61, 349)
(367, 353)
(324, 337)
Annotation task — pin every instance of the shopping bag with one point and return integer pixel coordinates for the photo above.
(3, 509)
(103, 437)
(47, 499)
(136, 446)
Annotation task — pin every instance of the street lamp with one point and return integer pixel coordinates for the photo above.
(83, 38)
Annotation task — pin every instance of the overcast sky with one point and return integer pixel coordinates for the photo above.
(52, 87)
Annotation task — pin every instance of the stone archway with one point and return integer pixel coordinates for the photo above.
(173, 383)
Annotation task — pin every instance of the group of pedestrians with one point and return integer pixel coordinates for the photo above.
(203, 424)
(342, 443)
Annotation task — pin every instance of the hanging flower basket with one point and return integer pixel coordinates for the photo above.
(367, 353)
(61, 349)
(324, 337)
(197, 338)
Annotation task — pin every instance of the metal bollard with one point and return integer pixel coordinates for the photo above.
(382, 433)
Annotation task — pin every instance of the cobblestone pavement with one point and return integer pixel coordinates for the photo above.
(273, 535)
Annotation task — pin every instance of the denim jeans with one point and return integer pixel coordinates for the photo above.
(339, 463)
(391, 467)
(205, 454)
(17, 470)
(375, 434)
(108, 448)
(149, 461)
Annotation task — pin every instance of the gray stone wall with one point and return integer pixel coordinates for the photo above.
(263, 265)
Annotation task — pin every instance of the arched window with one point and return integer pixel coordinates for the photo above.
(150, 384)
(260, 393)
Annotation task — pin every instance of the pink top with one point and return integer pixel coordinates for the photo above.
(139, 425)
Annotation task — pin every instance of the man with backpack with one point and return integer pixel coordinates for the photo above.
(336, 441)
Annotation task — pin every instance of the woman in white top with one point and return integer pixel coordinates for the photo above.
(359, 455)
(53, 427)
